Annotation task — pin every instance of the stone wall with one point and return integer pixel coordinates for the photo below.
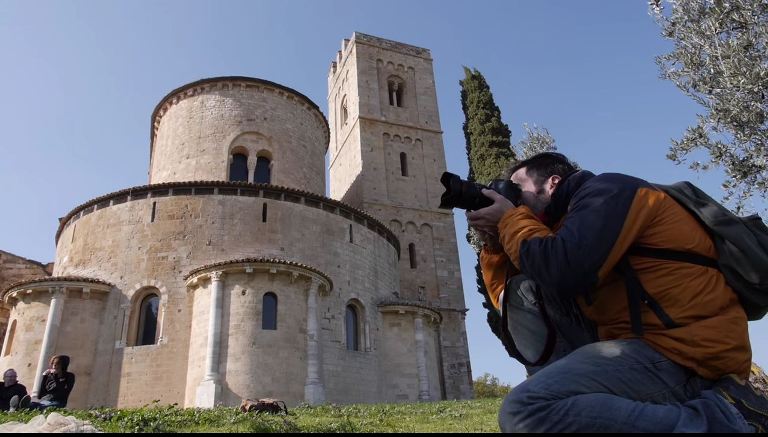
(29, 315)
(82, 310)
(200, 127)
(14, 268)
(254, 363)
(401, 379)
(122, 244)
(78, 337)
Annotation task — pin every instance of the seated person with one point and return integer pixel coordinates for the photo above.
(11, 392)
(56, 386)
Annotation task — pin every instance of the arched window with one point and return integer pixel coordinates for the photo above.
(395, 88)
(412, 254)
(344, 110)
(404, 164)
(238, 169)
(269, 312)
(262, 175)
(9, 341)
(148, 311)
(353, 330)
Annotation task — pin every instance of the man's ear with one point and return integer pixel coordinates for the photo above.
(553, 182)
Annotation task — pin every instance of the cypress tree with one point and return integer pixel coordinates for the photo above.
(489, 152)
(488, 138)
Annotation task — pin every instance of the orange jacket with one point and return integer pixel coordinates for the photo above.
(593, 221)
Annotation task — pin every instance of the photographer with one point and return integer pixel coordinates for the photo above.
(679, 367)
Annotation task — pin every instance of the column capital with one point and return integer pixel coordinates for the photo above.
(315, 284)
(57, 291)
(318, 286)
(216, 276)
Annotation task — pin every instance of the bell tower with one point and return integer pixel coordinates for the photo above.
(386, 157)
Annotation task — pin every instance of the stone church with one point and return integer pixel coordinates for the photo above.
(230, 275)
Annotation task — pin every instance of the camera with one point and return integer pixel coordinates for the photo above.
(469, 196)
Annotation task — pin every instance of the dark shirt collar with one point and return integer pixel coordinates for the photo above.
(562, 195)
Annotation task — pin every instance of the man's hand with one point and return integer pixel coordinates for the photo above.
(486, 220)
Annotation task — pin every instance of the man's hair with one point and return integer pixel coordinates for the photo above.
(542, 166)
(9, 370)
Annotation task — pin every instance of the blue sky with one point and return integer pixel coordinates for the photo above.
(80, 80)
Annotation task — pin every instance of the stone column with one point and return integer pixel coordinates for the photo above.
(209, 390)
(160, 320)
(5, 314)
(394, 94)
(421, 359)
(51, 335)
(314, 393)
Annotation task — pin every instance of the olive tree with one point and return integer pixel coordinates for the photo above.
(720, 60)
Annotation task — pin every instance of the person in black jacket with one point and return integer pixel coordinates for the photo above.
(56, 386)
(10, 389)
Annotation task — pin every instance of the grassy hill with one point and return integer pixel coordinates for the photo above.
(447, 416)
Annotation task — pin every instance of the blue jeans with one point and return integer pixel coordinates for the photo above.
(42, 405)
(604, 386)
(617, 386)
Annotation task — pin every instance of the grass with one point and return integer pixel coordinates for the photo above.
(447, 416)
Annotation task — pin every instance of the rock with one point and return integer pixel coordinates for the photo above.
(55, 422)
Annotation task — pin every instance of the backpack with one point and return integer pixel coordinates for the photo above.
(742, 247)
(268, 405)
(511, 284)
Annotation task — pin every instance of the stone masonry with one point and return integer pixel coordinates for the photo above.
(387, 156)
(203, 289)
(14, 269)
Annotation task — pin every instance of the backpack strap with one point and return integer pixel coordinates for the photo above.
(637, 294)
(506, 336)
(673, 255)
